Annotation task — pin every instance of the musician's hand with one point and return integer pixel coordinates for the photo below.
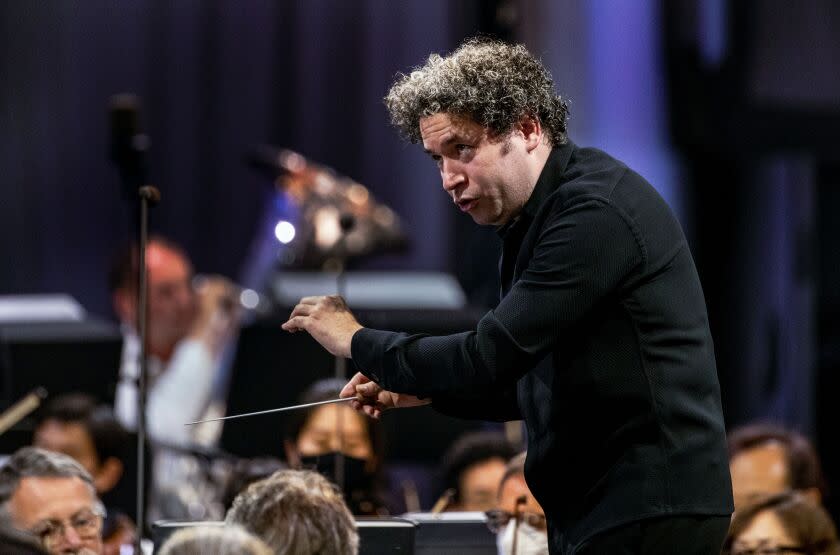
(217, 312)
(372, 399)
(328, 321)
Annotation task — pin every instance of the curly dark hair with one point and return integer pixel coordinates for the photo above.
(492, 82)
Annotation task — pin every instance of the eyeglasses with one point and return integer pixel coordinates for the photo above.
(497, 519)
(87, 523)
(766, 548)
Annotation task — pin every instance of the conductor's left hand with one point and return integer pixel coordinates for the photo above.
(328, 321)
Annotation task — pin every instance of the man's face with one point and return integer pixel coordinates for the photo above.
(172, 301)
(69, 438)
(486, 176)
(479, 484)
(759, 471)
(320, 434)
(60, 511)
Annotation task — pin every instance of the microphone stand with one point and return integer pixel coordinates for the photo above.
(149, 196)
(346, 222)
(128, 151)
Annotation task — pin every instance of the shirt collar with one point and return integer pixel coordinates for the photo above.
(551, 177)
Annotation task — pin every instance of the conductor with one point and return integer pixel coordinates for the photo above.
(601, 341)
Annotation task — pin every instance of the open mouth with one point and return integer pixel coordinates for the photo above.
(467, 204)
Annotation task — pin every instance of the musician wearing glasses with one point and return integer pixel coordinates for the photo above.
(52, 497)
(518, 520)
(785, 523)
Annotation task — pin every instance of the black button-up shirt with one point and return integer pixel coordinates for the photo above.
(600, 343)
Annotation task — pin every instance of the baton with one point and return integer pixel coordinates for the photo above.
(281, 409)
(19, 410)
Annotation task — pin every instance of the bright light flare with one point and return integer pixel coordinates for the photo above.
(249, 299)
(284, 231)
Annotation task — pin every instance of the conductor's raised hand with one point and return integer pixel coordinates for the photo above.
(328, 321)
(372, 399)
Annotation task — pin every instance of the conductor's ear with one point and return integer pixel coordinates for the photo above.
(532, 132)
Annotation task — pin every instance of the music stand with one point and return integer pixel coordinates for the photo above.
(454, 533)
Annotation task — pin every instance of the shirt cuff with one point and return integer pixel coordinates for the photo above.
(367, 349)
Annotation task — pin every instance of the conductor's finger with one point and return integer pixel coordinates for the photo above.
(369, 389)
(297, 323)
(302, 310)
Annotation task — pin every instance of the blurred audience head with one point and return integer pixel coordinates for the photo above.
(782, 523)
(51, 496)
(172, 300)
(766, 459)
(472, 468)
(218, 540)
(312, 441)
(297, 512)
(518, 519)
(75, 425)
(247, 471)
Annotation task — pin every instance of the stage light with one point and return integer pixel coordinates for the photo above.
(284, 231)
(249, 299)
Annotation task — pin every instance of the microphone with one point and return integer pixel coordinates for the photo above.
(128, 144)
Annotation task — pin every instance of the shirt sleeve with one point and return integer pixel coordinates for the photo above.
(584, 254)
(181, 393)
(125, 402)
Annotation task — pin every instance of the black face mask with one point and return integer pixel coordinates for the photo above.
(356, 479)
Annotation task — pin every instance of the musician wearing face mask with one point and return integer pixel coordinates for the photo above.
(321, 437)
(518, 520)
